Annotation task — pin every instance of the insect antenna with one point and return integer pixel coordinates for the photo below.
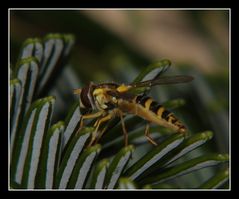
(77, 91)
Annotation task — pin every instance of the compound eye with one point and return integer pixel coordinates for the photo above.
(84, 97)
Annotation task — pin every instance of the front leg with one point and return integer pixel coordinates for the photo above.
(97, 125)
(90, 116)
(123, 128)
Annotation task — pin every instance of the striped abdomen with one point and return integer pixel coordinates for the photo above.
(152, 111)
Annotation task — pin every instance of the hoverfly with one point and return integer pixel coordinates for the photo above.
(106, 101)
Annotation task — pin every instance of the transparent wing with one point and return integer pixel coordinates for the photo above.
(133, 89)
(129, 91)
(163, 80)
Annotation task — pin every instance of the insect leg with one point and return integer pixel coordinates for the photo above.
(97, 125)
(89, 116)
(124, 129)
(146, 133)
(100, 135)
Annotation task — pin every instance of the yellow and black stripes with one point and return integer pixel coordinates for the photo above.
(141, 99)
(150, 105)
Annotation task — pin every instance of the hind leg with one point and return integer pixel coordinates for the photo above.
(146, 133)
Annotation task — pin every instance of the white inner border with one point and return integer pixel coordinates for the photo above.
(29, 9)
